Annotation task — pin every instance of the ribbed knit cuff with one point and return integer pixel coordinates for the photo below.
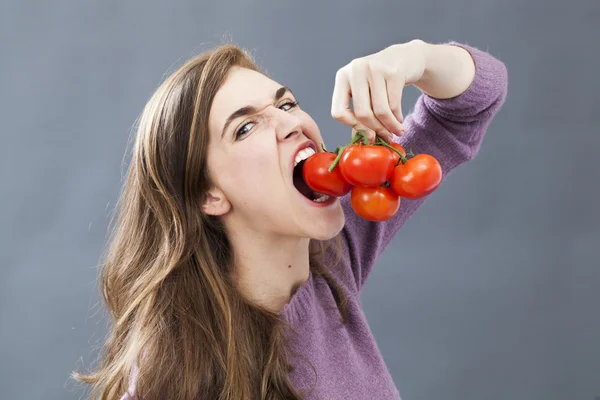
(488, 85)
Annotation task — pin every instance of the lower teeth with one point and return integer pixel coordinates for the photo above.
(321, 198)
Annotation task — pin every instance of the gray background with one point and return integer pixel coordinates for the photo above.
(491, 291)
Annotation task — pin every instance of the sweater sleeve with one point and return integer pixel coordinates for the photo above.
(451, 130)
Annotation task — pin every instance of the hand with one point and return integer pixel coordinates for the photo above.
(375, 84)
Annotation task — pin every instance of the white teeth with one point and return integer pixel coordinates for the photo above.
(303, 155)
(322, 198)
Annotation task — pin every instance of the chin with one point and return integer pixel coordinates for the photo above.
(328, 225)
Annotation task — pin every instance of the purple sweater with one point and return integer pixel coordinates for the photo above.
(346, 358)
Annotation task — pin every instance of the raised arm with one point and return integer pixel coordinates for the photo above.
(460, 98)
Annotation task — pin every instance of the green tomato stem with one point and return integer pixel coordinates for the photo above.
(340, 150)
(358, 136)
(365, 140)
(384, 143)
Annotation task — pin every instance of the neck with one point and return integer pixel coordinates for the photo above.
(269, 269)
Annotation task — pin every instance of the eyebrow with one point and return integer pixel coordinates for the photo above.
(247, 110)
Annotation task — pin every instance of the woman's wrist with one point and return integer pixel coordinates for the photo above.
(449, 70)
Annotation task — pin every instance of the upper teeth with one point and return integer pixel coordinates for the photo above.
(303, 155)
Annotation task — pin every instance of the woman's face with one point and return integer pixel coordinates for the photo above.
(256, 132)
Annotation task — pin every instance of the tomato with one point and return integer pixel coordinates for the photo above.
(366, 165)
(318, 178)
(394, 154)
(418, 177)
(374, 203)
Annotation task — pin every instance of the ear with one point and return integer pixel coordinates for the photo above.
(215, 203)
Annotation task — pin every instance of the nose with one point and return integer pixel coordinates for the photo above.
(287, 125)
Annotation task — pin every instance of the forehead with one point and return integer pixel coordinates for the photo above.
(242, 87)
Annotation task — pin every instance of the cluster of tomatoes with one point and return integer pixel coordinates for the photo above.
(378, 175)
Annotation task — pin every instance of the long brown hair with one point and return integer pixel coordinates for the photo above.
(175, 312)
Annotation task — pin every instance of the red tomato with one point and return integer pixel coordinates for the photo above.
(374, 203)
(394, 154)
(318, 178)
(420, 176)
(366, 165)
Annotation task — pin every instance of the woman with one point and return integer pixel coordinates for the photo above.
(223, 279)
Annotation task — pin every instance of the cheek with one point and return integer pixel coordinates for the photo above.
(246, 173)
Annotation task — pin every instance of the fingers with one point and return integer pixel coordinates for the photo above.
(381, 106)
(395, 85)
(376, 99)
(340, 102)
(340, 105)
(361, 98)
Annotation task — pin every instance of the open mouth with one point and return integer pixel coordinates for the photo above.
(303, 188)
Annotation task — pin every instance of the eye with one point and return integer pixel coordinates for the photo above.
(243, 129)
(288, 105)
